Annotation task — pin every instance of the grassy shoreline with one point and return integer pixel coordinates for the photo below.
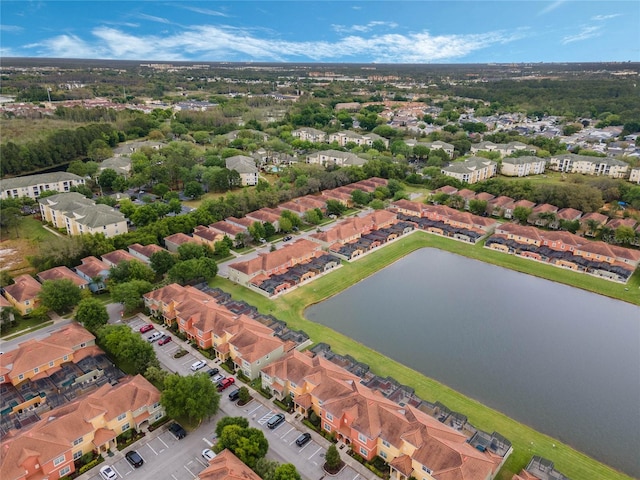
(526, 441)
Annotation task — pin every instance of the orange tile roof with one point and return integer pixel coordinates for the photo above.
(92, 267)
(569, 214)
(598, 217)
(544, 208)
(282, 257)
(206, 233)
(227, 228)
(146, 250)
(263, 216)
(615, 223)
(24, 287)
(60, 273)
(177, 293)
(178, 238)
(118, 256)
(226, 466)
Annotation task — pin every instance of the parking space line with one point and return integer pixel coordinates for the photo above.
(257, 408)
(285, 433)
(162, 441)
(357, 475)
(114, 469)
(187, 469)
(207, 442)
(141, 457)
(201, 462)
(149, 445)
(313, 454)
(310, 443)
(174, 477)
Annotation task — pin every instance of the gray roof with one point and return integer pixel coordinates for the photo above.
(241, 164)
(347, 157)
(28, 180)
(588, 158)
(471, 164)
(522, 160)
(116, 163)
(85, 211)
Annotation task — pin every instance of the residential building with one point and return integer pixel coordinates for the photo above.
(23, 293)
(63, 273)
(7, 316)
(634, 175)
(310, 135)
(503, 149)
(353, 228)
(227, 229)
(565, 215)
(510, 207)
(207, 236)
(36, 359)
(413, 443)
(144, 252)
(439, 145)
(79, 215)
(543, 214)
(172, 242)
(265, 215)
(591, 222)
(246, 167)
(498, 206)
(33, 185)
(95, 272)
(472, 170)
(48, 448)
(117, 256)
(522, 166)
(539, 468)
(162, 302)
(280, 260)
(226, 466)
(119, 164)
(588, 165)
(335, 157)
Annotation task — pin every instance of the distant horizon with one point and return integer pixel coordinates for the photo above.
(323, 31)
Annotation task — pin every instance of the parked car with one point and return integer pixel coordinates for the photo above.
(226, 383)
(164, 340)
(303, 439)
(177, 430)
(276, 420)
(262, 240)
(108, 473)
(217, 378)
(134, 459)
(198, 365)
(234, 395)
(287, 238)
(146, 328)
(154, 336)
(208, 454)
(213, 371)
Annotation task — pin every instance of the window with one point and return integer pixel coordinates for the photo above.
(78, 441)
(125, 427)
(77, 455)
(383, 454)
(51, 364)
(362, 438)
(65, 358)
(36, 370)
(20, 377)
(363, 451)
(329, 416)
(327, 427)
(426, 469)
(293, 385)
(385, 443)
(156, 405)
(122, 416)
(58, 461)
(64, 471)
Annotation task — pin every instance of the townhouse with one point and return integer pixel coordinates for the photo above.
(310, 135)
(95, 272)
(566, 250)
(472, 170)
(226, 466)
(117, 256)
(144, 252)
(498, 206)
(48, 448)
(78, 215)
(335, 157)
(591, 222)
(63, 273)
(539, 468)
(543, 214)
(35, 359)
(413, 443)
(522, 166)
(347, 136)
(32, 186)
(354, 228)
(510, 207)
(588, 165)
(206, 236)
(172, 242)
(246, 167)
(23, 293)
(503, 149)
(565, 215)
(162, 302)
(271, 263)
(634, 175)
(227, 229)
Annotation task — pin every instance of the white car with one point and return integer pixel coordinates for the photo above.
(208, 454)
(154, 336)
(198, 365)
(217, 378)
(108, 473)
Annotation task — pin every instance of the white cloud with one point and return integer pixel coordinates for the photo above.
(10, 28)
(153, 18)
(205, 11)
(605, 17)
(551, 7)
(224, 43)
(362, 28)
(588, 31)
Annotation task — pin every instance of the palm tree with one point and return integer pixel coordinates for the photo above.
(592, 225)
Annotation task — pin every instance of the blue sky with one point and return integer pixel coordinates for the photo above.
(324, 31)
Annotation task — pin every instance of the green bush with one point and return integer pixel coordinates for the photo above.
(90, 465)
(158, 423)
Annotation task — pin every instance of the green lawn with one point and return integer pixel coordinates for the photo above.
(526, 441)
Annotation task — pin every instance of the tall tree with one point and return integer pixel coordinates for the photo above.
(193, 396)
(128, 348)
(92, 313)
(60, 295)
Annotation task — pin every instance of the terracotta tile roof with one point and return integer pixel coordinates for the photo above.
(484, 196)
(146, 250)
(312, 202)
(569, 214)
(177, 293)
(207, 234)
(117, 256)
(544, 208)
(59, 273)
(297, 366)
(227, 228)
(24, 287)
(466, 193)
(615, 223)
(92, 267)
(254, 340)
(598, 217)
(501, 201)
(294, 207)
(178, 238)
(284, 256)
(263, 216)
(524, 203)
(4, 302)
(520, 230)
(243, 221)
(334, 195)
(448, 189)
(403, 464)
(226, 466)
(409, 206)
(567, 238)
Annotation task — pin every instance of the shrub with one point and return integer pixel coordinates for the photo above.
(158, 423)
(90, 465)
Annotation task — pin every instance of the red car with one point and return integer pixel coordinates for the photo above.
(146, 328)
(225, 383)
(164, 340)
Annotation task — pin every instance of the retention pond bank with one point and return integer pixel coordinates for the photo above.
(557, 358)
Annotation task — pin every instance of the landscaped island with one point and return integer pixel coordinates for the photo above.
(526, 441)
